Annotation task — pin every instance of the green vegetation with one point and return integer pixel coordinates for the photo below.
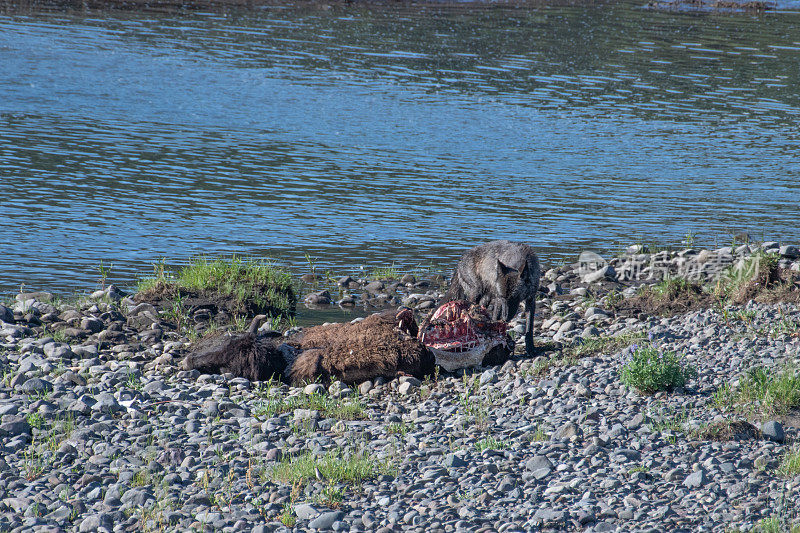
(762, 389)
(343, 409)
(735, 281)
(104, 271)
(649, 370)
(490, 443)
(790, 463)
(473, 405)
(253, 285)
(335, 466)
(774, 524)
(287, 516)
(605, 344)
(400, 428)
(385, 272)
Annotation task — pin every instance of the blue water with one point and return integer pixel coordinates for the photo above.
(371, 136)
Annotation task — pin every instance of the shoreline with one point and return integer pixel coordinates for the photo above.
(102, 430)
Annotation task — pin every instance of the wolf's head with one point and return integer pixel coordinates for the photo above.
(510, 281)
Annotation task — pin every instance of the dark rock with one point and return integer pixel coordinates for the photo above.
(92, 324)
(773, 431)
(326, 520)
(35, 386)
(375, 286)
(319, 298)
(12, 428)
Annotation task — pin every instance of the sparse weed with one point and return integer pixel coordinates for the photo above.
(385, 272)
(287, 516)
(339, 466)
(350, 408)
(770, 391)
(790, 463)
(490, 443)
(400, 428)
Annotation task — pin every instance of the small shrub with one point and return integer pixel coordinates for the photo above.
(287, 516)
(649, 370)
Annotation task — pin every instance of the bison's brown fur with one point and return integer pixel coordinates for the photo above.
(357, 352)
(352, 353)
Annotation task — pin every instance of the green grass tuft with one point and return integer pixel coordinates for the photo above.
(649, 370)
(335, 466)
(769, 391)
(350, 408)
(490, 443)
(253, 283)
(790, 463)
(385, 272)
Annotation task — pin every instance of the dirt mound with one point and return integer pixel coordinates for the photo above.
(771, 285)
(729, 430)
(206, 304)
(675, 298)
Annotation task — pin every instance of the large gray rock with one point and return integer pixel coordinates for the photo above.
(13, 428)
(695, 479)
(6, 315)
(537, 462)
(306, 511)
(792, 252)
(36, 386)
(773, 431)
(326, 520)
(106, 403)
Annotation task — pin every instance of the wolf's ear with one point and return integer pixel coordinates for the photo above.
(524, 270)
(503, 269)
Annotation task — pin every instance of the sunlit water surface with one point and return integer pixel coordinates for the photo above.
(363, 137)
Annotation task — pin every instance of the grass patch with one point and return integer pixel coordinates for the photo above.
(671, 296)
(649, 370)
(790, 463)
(472, 404)
(335, 466)
(384, 272)
(241, 286)
(604, 344)
(343, 409)
(774, 524)
(728, 430)
(762, 389)
(400, 428)
(490, 443)
(287, 516)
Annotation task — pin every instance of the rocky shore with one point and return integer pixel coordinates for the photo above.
(100, 429)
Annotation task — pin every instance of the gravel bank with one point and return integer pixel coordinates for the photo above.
(101, 431)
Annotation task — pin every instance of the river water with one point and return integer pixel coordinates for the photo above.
(369, 136)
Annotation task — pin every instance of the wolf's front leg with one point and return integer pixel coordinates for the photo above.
(530, 304)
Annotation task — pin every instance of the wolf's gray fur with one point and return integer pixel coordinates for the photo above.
(499, 275)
